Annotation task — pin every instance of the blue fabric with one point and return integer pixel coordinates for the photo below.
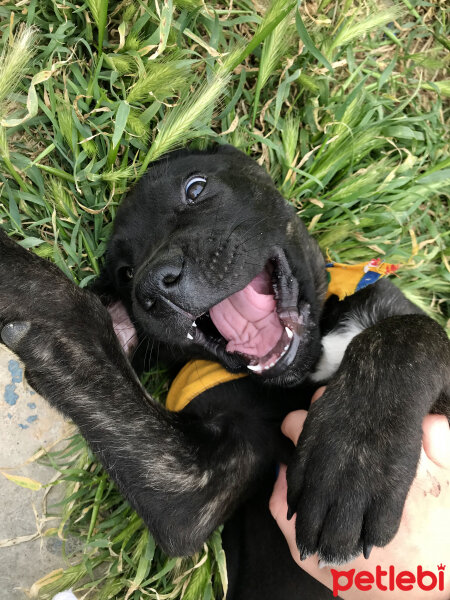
(369, 278)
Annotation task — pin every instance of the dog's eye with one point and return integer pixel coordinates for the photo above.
(126, 274)
(194, 187)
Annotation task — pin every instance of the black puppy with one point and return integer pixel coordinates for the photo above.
(201, 245)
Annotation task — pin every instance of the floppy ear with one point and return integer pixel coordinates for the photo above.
(104, 287)
(110, 284)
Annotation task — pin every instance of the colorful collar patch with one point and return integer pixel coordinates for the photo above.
(198, 376)
(345, 280)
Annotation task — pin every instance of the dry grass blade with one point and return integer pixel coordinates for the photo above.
(180, 125)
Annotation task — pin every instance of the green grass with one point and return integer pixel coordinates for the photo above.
(346, 105)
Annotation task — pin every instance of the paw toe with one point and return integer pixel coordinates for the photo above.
(310, 517)
(381, 522)
(341, 532)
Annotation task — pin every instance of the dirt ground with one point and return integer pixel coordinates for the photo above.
(27, 424)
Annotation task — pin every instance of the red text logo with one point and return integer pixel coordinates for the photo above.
(388, 580)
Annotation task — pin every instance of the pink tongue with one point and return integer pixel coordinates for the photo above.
(248, 319)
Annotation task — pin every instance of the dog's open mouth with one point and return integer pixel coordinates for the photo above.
(260, 323)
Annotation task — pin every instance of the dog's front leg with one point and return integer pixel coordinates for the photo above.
(358, 453)
(183, 475)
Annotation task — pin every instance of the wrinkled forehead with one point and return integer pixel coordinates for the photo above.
(238, 193)
(230, 174)
(225, 165)
(182, 163)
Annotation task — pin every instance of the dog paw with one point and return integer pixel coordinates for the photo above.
(347, 483)
(46, 319)
(13, 333)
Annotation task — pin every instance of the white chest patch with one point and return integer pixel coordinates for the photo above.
(333, 348)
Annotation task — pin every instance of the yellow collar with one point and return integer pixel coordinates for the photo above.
(196, 377)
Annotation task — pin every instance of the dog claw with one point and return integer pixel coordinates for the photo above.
(12, 333)
(367, 549)
(303, 554)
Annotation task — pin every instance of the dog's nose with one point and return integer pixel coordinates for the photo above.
(159, 279)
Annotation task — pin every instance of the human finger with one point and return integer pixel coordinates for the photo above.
(436, 439)
(293, 424)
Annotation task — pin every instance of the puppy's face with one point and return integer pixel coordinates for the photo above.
(207, 256)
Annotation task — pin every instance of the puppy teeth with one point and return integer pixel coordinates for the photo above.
(189, 336)
(289, 333)
(255, 368)
(194, 324)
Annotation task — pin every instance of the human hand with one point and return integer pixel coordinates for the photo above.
(423, 538)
